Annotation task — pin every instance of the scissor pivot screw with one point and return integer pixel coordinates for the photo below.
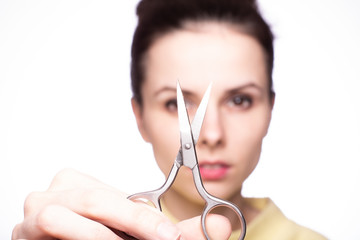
(187, 146)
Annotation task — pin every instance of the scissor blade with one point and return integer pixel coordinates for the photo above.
(200, 114)
(184, 123)
(188, 140)
(187, 154)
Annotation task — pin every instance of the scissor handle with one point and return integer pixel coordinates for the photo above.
(212, 203)
(155, 195)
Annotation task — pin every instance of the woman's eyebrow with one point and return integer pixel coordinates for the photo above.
(246, 86)
(171, 89)
(230, 90)
(164, 89)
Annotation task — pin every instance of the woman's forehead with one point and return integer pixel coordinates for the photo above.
(216, 54)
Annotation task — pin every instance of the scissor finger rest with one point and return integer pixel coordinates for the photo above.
(155, 195)
(147, 196)
(218, 203)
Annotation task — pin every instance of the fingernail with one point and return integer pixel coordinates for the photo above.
(167, 231)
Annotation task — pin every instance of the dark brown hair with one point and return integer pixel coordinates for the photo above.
(158, 17)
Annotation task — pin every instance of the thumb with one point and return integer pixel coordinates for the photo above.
(218, 228)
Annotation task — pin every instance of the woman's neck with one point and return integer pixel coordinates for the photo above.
(182, 207)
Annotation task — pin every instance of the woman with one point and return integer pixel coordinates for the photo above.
(198, 42)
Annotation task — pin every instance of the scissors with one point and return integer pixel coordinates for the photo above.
(189, 134)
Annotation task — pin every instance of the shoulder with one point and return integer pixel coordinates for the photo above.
(298, 232)
(271, 223)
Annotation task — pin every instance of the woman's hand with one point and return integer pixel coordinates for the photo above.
(77, 206)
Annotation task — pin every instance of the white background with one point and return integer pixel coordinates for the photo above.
(65, 102)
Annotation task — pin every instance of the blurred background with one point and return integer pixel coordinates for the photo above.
(65, 102)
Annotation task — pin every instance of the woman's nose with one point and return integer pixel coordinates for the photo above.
(212, 130)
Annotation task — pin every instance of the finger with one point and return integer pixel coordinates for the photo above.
(113, 209)
(23, 231)
(217, 226)
(103, 204)
(60, 223)
(139, 220)
(35, 201)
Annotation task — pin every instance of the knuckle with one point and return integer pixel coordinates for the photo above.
(69, 178)
(63, 176)
(44, 218)
(15, 233)
(32, 202)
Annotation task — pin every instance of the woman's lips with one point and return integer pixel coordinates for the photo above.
(213, 171)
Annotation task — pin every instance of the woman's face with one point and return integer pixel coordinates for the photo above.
(238, 112)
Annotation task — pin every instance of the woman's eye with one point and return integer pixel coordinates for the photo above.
(241, 101)
(171, 105)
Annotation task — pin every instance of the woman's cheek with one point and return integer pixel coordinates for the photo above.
(164, 138)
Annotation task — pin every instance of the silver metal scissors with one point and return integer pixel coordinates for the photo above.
(189, 134)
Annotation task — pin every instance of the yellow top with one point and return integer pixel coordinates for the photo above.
(270, 224)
